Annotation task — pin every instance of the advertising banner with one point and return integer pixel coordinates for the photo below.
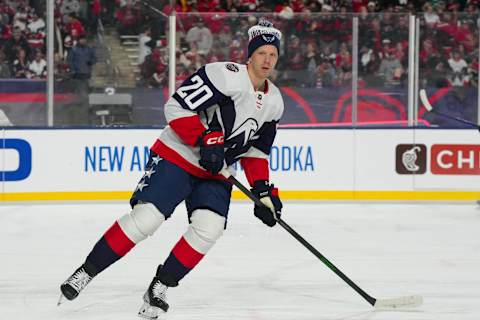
(322, 164)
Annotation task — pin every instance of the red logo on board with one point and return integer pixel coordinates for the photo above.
(463, 159)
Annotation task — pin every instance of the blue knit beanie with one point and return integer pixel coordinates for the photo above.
(262, 34)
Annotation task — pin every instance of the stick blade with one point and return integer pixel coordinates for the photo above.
(424, 100)
(397, 303)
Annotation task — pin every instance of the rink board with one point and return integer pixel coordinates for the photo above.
(307, 164)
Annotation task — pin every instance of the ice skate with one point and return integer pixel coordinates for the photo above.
(154, 299)
(74, 284)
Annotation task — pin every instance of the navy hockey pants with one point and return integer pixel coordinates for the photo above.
(165, 185)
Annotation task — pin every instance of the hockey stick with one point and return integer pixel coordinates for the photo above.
(384, 304)
(429, 107)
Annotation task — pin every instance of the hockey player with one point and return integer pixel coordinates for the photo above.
(223, 113)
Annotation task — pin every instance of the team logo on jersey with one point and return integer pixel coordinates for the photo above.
(244, 132)
(268, 38)
(231, 67)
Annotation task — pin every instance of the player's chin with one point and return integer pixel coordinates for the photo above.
(266, 72)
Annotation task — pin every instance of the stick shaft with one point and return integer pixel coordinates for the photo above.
(306, 244)
(456, 118)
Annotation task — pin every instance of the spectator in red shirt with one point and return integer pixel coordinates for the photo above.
(445, 36)
(94, 15)
(5, 31)
(358, 4)
(453, 6)
(429, 55)
(208, 6)
(73, 26)
(463, 32)
(448, 25)
(153, 70)
(128, 18)
(6, 11)
(215, 21)
(343, 58)
(326, 28)
(343, 25)
(469, 42)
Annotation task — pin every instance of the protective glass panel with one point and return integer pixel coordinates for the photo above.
(22, 63)
(383, 69)
(448, 66)
(108, 71)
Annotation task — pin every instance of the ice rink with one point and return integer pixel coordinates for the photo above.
(253, 273)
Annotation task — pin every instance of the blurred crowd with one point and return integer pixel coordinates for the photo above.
(317, 43)
(23, 38)
(316, 48)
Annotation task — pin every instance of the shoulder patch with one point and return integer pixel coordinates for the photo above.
(231, 67)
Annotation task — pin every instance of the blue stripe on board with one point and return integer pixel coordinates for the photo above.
(23, 86)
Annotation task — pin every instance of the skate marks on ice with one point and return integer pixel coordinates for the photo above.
(253, 273)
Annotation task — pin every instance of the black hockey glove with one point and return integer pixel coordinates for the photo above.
(212, 154)
(268, 195)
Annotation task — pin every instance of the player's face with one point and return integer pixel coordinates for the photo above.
(263, 60)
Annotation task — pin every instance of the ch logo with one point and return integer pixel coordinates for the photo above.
(411, 158)
(24, 167)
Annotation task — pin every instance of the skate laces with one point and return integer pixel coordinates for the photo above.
(159, 291)
(79, 279)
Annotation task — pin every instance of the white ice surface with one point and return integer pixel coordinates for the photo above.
(253, 273)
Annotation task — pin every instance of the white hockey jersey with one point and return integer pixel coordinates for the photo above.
(220, 95)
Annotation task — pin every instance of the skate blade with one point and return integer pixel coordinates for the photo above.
(149, 312)
(61, 299)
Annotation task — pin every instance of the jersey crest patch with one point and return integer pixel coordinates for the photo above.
(231, 67)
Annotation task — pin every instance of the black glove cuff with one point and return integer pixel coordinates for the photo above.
(261, 188)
